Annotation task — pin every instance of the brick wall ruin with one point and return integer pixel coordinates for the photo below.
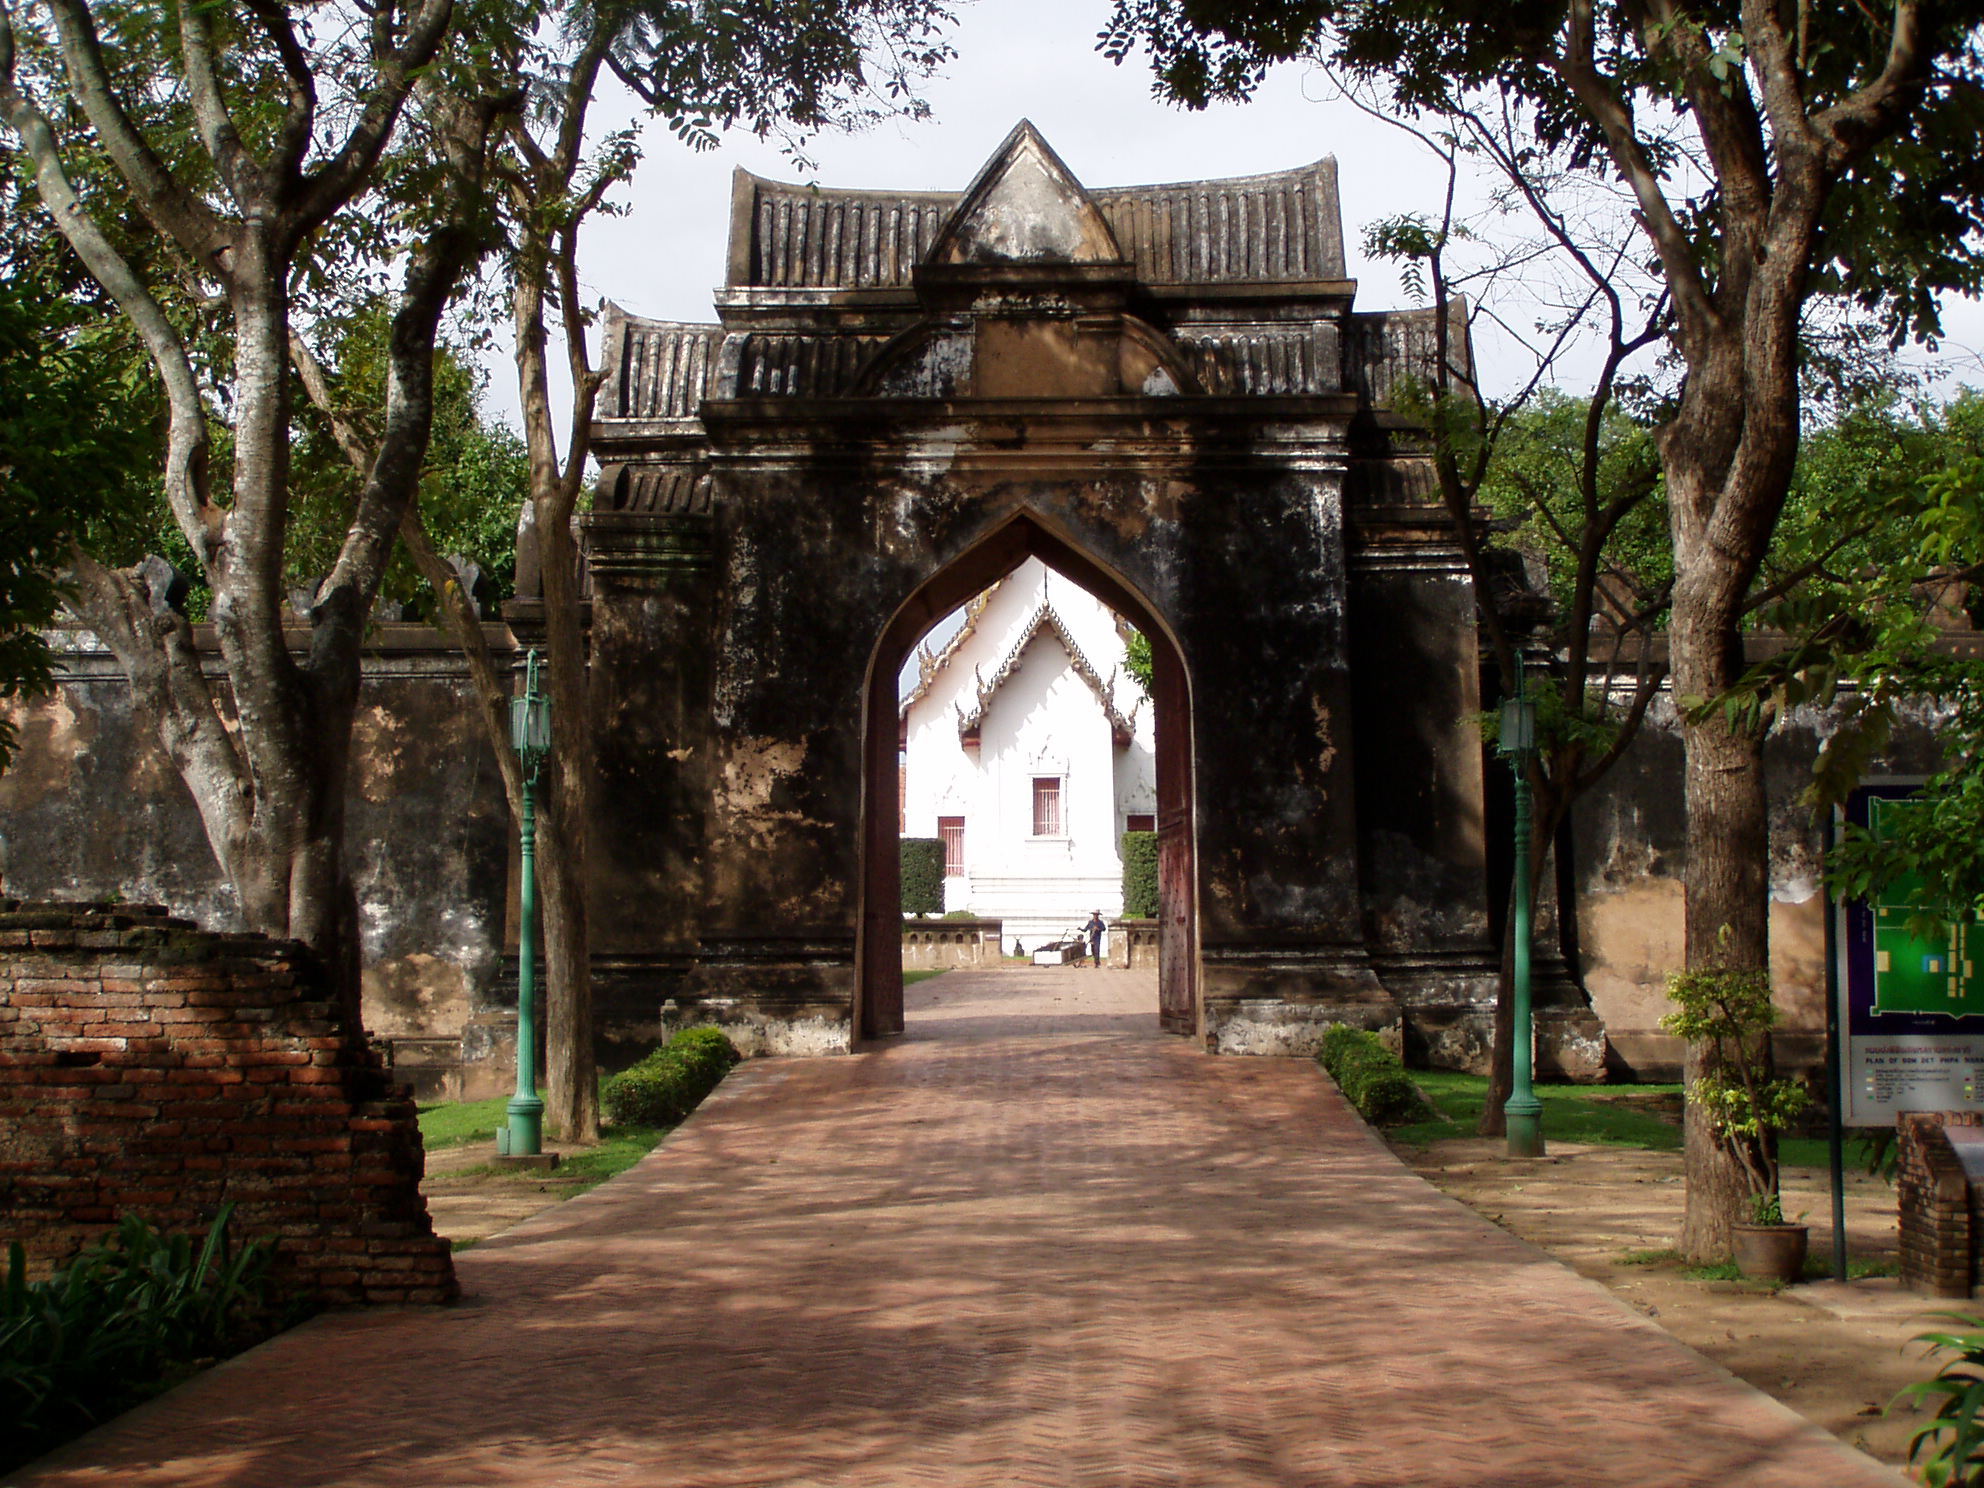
(92, 807)
(152, 1068)
(1939, 1165)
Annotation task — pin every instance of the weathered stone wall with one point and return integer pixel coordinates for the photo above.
(947, 943)
(780, 852)
(150, 1068)
(1133, 944)
(1166, 393)
(94, 809)
(1629, 851)
(1166, 408)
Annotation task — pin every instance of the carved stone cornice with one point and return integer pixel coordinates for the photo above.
(648, 549)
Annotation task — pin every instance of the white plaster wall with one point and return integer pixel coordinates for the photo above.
(1136, 774)
(1044, 720)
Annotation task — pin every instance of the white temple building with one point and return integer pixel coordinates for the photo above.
(1029, 749)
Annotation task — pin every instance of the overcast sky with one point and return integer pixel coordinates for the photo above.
(1036, 59)
(1016, 59)
(1032, 59)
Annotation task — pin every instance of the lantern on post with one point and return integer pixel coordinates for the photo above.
(1523, 1112)
(530, 735)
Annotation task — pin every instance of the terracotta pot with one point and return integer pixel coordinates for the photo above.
(1771, 1252)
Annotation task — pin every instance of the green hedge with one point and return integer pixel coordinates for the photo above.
(1371, 1077)
(922, 875)
(670, 1082)
(1140, 875)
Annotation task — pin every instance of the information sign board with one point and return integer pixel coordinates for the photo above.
(1911, 1003)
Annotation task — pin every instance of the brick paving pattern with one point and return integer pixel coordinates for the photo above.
(1031, 1242)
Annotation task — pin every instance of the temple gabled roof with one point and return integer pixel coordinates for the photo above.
(930, 664)
(1044, 621)
(1283, 227)
(823, 283)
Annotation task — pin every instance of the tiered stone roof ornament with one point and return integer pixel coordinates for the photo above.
(908, 262)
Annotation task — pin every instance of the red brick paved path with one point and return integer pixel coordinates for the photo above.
(1033, 1242)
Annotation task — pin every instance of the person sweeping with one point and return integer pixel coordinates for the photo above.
(1094, 929)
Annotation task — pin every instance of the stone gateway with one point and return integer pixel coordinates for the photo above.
(1162, 392)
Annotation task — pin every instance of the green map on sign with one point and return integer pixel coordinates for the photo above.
(1941, 974)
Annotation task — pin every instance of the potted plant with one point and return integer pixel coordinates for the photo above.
(1731, 1013)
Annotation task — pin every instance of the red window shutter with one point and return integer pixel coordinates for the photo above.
(951, 829)
(1047, 806)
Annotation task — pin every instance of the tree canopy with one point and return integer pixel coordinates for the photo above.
(78, 455)
(1898, 493)
(226, 176)
(1775, 157)
(277, 206)
(473, 482)
(1888, 94)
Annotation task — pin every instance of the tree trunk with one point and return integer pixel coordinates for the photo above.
(571, 1096)
(1728, 455)
(571, 1079)
(267, 759)
(1718, 1190)
(294, 729)
(1728, 890)
(572, 1101)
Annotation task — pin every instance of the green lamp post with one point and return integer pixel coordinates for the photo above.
(1523, 1112)
(530, 733)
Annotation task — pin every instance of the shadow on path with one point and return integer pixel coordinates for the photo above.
(1028, 1243)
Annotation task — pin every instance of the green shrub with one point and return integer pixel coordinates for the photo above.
(117, 1325)
(922, 875)
(1371, 1077)
(1950, 1444)
(671, 1082)
(1140, 875)
(651, 1093)
(707, 1053)
(1730, 1014)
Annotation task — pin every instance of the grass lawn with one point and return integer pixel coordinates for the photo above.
(910, 978)
(1816, 1152)
(1817, 1267)
(457, 1123)
(1588, 1113)
(462, 1123)
(620, 1147)
(1570, 1114)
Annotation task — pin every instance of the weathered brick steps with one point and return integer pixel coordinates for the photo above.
(1031, 1243)
(149, 1067)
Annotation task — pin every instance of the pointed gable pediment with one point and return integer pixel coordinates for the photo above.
(1043, 622)
(1025, 207)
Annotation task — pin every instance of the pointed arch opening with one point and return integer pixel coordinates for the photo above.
(878, 1009)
